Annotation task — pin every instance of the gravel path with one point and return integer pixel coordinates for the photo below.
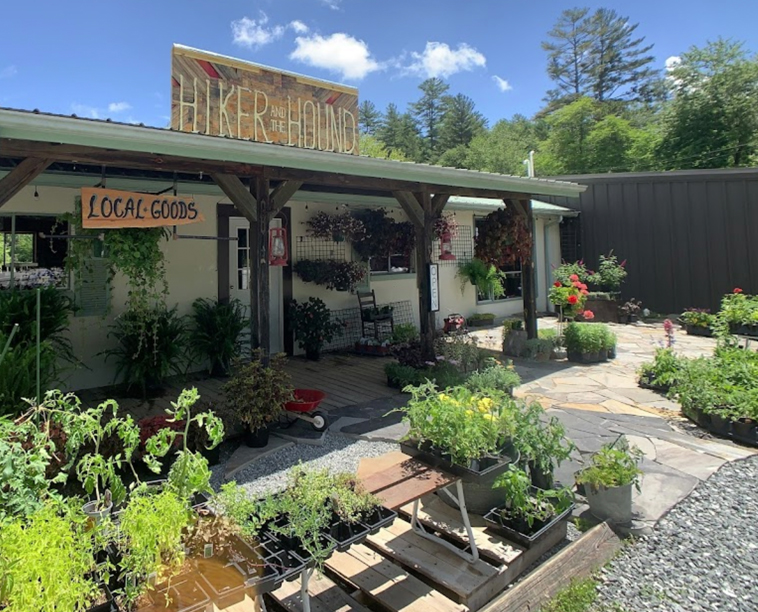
(703, 556)
(338, 454)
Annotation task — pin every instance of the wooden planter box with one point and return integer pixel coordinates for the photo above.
(605, 311)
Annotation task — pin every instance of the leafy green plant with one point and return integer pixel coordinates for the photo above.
(663, 371)
(614, 465)
(401, 376)
(215, 335)
(143, 360)
(150, 539)
(47, 561)
(577, 597)
(536, 348)
(404, 332)
(610, 274)
(586, 337)
(566, 270)
(19, 374)
(541, 441)
(331, 273)
(482, 316)
(350, 500)
(312, 325)
(256, 393)
(497, 377)
(464, 424)
(485, 277)
(462, 352)
(248, 515)
(524, 503)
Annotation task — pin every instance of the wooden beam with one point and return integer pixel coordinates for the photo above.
(528, 281)
(263, 198)
(18, 178)
(439, 201)
(517, 205)
(424, 234)
(411, 207)
(235, 190)
(282, 194)
(578, 560)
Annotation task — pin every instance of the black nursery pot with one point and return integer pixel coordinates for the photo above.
(540, 479)
(346, 534)
(746, 431)
(257, 438)
(721, 426)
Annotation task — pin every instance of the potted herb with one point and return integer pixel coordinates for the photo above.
(608, 481)
(529, 514)
(481, 319)
(662, 373)
(256, 394)
(313, 327)
(543, 444)
(586, 342)
(463, 432)
(697, 322)
(497, 376)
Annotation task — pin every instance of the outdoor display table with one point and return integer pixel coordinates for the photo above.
(398, 480)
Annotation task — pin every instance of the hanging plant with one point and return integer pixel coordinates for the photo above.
(335, 227)
(383, 236)
(445, 224)
(333, 274)
(504, 238)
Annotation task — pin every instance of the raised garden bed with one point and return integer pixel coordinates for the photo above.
(698, 330)
(524, 535)
(605, 310)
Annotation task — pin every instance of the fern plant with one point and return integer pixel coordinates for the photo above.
(485, 277)
(216, 330)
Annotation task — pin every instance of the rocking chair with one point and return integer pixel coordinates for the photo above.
(369, 316)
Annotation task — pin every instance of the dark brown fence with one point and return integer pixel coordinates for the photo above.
(688, 237)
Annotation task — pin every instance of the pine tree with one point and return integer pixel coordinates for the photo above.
(369, 118)
(428, 113)
(399, 132)
(460, 122)
(566, 55)
(389, 131)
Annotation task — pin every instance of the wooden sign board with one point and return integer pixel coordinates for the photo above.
(112, 209)
(222, 96)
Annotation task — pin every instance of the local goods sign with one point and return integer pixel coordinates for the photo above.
(221, 96)
(108, 208)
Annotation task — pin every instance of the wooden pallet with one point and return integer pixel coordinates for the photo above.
(325, 596)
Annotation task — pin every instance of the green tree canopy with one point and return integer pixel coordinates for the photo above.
(369, 118)
(428, 112)
(460, 122)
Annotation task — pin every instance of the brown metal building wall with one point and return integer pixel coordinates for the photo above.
(688, 237)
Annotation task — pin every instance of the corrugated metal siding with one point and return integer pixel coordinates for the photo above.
(688, 237)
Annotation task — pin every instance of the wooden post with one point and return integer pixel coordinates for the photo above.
(528, 285)
(19, 177)
(263, 203)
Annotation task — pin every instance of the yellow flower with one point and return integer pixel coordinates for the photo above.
(469, 412)
(443, 397)
(489, 417)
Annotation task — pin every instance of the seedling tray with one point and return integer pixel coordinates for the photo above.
(558, 523)
(345, 534)
(109, 605)
(380, 517)
(487, 466)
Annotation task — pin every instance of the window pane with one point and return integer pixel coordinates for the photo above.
(400, 263)
(242, 237)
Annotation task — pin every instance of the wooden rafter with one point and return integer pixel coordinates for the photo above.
(18, 178)
(411, 207)
(282, 194)
(439, 201)
(235, 190)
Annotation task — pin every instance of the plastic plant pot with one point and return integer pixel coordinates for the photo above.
(720, 425)
(613, 504)
(521, 533)
(92, 511)
(378, 518)
(109, 605)
(746, 431)
(345, 534)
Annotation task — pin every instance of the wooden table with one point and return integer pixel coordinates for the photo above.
(397, 480)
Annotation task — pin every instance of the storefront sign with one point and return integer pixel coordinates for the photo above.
(108, 208)
(221, 96)
(434, 288)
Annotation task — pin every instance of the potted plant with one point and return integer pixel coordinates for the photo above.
(662, 373)
(586, 343)
(630, 311)
(529, 514)
(312, 325)
(481, 319)
(485, 277)
(608, 481)
(496, 376)
(400, 376)
(378, 313)
(215, 334)
(372, 346)
(464, 432)
(256, 394)
(697, 322)
(609, 275)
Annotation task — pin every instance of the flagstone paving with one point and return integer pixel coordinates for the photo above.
(597, 403)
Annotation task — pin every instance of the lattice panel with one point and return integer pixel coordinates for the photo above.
(403, 313)
(311, 248)
(463, 247)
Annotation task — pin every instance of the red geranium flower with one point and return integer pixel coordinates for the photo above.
(576, 284)
(557, 284)
(572, 299)
(584, 292)
(583, 286)
(588, 315)
(737, 290)
(574, 277)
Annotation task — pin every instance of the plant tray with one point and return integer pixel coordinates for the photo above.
(109, 605)
(698, 330)
(293, 544)
(747, 433)
(380, 517)
(657, 388)
(487, 465)
(557, 523)
(345, 534)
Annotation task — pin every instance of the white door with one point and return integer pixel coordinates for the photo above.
(239, 278)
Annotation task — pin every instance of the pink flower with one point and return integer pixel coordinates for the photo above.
(574, 277)
(588, 315)
(583, 287)
(668, 326)
(572, 299)
(737, 290)
(623, 264)
(584, 292)
(557, 284)
(576, 284)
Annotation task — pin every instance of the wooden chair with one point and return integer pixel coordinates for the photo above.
(367, 300)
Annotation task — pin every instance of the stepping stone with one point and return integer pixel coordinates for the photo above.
(585, 398)
(380, 430)
(662, 488)
(342, 422)
(245, 455)
(585, 407)
(699, 465)
(616, 407)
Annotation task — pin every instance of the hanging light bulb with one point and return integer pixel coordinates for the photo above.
(36, 193)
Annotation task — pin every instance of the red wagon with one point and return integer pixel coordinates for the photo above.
(304, 407)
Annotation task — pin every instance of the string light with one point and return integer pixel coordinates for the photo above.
(36, 193)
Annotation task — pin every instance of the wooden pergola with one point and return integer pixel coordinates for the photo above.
(260, 179)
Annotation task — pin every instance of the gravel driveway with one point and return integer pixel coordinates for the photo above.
(702, 556)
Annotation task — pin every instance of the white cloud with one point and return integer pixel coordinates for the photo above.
(299, 27)
(118, 107)
(254, 33)
(439, 60)
(672, 62)
(502, 84)
(8, 72)
(340, 53)
(83, 110)
(332, 4)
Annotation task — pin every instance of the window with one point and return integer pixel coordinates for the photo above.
(36, 260)
(511, 281)
(394, 264)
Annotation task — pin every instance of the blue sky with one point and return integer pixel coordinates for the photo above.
(112, 59)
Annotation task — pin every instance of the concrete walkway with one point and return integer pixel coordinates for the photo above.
(597, 403)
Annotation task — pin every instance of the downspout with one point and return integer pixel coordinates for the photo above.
(548, 272)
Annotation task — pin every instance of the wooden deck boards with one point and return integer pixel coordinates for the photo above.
(325, 596)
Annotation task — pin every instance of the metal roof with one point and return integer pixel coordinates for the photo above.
(107, 134)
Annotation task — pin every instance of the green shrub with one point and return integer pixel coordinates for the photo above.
(497, 377)
(482, 316)
(663, 371)
(614, 465)
(151, 347)
(549, 334)
(462, 352)
(537, 347)
(19, 375)
(215, 335)
(697, 317)
(404, 333)
(587, 337)
(564, 272)
(577, 597)
(399, 375)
